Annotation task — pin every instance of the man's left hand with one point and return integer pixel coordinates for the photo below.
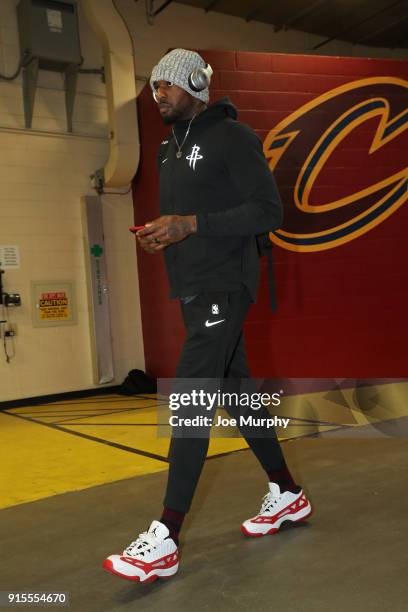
(166, 230)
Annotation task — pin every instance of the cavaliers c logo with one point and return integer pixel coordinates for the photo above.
(340, 161)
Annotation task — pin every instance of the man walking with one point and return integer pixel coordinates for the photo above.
(216, 195)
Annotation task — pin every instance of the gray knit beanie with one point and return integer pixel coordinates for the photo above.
(176, 67)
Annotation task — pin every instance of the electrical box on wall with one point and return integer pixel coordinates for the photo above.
(49, 40)
(49, 30)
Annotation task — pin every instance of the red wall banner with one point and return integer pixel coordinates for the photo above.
(335, 133)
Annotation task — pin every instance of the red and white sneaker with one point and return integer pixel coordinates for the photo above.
(276, 508)
(153, 555)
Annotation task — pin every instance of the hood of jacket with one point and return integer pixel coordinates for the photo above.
(218, 110)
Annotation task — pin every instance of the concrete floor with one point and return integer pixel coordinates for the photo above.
(350, 556)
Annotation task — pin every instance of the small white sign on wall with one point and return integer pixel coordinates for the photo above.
(9, 257)
(54, 19)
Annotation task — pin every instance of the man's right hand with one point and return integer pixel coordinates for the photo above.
(166, 230)
(149, 245)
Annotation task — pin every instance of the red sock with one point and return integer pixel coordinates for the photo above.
(284, 479)
(173, 519)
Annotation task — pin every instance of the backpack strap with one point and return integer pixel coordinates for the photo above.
(271, 281)
(264, 245)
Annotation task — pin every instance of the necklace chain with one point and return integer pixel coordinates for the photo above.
(180, 146)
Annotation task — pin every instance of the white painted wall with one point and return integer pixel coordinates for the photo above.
(44, 175)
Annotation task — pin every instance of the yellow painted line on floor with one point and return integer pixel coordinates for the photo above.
(138, 429)
(145, 439)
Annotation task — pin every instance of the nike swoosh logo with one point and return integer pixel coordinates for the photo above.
(211, 323)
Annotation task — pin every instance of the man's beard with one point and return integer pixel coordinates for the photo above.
(176, 114)
(168, 120)
(172, 117)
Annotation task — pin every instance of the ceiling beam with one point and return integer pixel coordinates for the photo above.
(211, 5)
(381, 30)
(348, 29)
(399, 42)
(306, 12)
(151, 12)
(162, 7)
(256, 11)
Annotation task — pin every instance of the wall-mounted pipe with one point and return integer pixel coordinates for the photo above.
(116, 41)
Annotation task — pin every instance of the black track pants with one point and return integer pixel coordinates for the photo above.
(213, 349)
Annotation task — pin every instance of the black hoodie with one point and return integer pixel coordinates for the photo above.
(222, 177)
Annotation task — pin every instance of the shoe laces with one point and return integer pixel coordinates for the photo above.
(145, 543)
(268, 500)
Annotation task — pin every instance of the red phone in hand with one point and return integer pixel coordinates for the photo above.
(136, 228)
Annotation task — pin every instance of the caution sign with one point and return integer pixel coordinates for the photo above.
(54, 306)
(53, 303)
